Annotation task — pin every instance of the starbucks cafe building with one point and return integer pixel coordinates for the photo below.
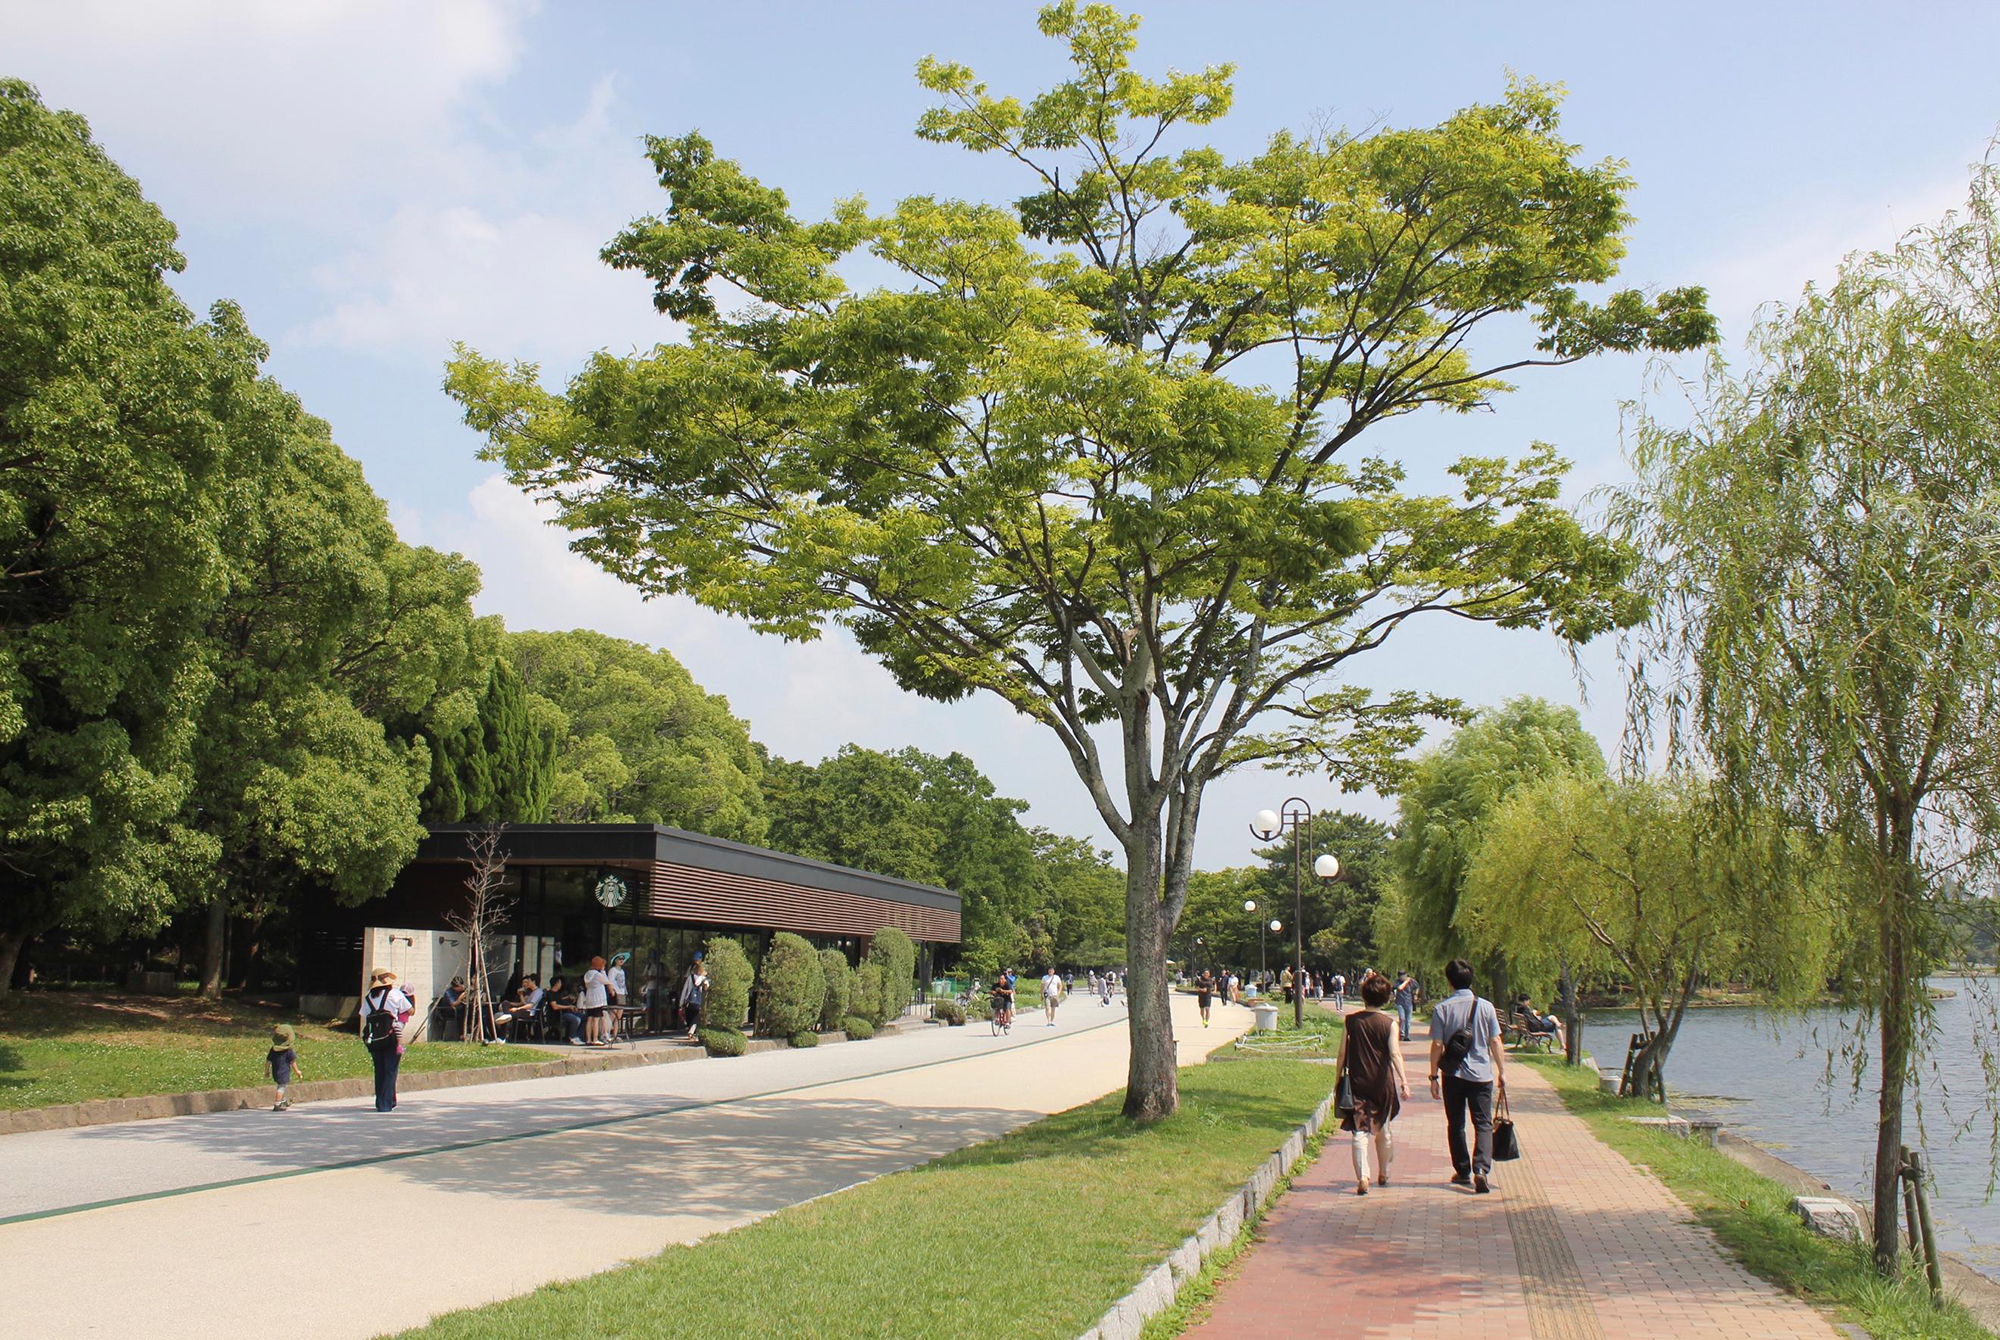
(571, 891)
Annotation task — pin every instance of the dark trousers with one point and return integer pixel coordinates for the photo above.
(387, 1062)
(1460, 1094)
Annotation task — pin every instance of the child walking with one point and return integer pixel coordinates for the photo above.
(282, 1061)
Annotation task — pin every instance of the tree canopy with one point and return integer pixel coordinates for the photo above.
(641, 741)
(1452, 792)
(1824, 536)
(1092, 450)
(111, 469)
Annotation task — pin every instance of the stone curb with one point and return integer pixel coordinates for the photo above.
(149, 1107)
(1162, 1284)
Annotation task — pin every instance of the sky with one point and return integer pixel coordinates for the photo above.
(375, 179)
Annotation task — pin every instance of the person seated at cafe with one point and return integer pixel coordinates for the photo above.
(451, 1007)
(563, 1010)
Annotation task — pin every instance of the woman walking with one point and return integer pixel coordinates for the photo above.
(383, 1012)
(1372, 1066)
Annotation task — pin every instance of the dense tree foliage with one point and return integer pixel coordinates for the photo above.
(1344, 910)
(1093, 451)
(1825, 534)
(326, 627)
(642, 743)
(1443, 810)
(1630, 882)
(498, 765)
(111, 466)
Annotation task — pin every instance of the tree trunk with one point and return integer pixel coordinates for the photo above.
(214, 948)
(1572, 1018)
(1152, 1082)
(10, 953)
(1894, 1060)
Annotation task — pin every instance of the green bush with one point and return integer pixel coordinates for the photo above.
(794, 986)
(805, 1037)
(978, 1007)
(865, 999)
(727, 1004)
(723, 1041)
(839, 986)
(897, 955)
(858, 1028)
(949, 1012)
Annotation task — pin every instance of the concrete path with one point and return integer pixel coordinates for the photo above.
(246, 1223)
(1575, 1243)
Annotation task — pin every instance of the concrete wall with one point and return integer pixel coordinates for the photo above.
(411, 955)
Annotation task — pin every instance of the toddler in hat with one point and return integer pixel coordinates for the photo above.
(282, 1061)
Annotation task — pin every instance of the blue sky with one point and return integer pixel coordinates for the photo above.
(375, 179)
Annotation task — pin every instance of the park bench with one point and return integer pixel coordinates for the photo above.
(1516, 1036)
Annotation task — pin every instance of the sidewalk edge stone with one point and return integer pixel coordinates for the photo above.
(1158, 1287)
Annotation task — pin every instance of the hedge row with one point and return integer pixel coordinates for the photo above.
(802, 989)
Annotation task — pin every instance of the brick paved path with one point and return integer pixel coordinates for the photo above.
(1575, 1243)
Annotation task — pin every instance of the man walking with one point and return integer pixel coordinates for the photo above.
(1466, 1058)
(1340, 993)
(1406, 1002)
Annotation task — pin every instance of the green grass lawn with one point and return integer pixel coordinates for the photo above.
(1034, 1234)
(1751, 1214)
(62, 1047)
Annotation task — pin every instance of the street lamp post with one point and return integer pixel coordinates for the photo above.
(1296, 816)
(1250, 905)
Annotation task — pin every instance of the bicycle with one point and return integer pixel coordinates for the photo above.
(1003, 1015)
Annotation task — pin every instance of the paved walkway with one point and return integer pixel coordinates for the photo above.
(1575, 1243)
(249, 1223)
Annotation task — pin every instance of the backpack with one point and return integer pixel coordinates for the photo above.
(379, 1025)
(1459, 1045)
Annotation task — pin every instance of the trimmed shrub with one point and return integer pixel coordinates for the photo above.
(839, 986)
(897, 955)
(865, 1000)
(727, 1004)
(858, 1028)
(723, 1041)
(794, 986)
(949, 1012)
(805, 1037)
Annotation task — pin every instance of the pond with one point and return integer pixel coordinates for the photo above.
(1766, 1074)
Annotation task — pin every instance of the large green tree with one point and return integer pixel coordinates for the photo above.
(642, 742)
(1826, 534)
(499, 766)
(328, 630)
(914, 815)
(1094, 451)
(1452, 792)
(1629, 881)
(111, 461)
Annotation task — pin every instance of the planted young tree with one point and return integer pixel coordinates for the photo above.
(896, 954)
(481, 920)
(1094, 451)
(726, 1005)
(839, 986)
(793, 982)
(1827, 533)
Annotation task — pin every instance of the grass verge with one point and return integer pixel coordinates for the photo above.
(1751, 1214)
(64, 1048)
(1046, 1228)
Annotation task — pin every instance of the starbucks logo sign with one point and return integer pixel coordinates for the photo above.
(611, 891)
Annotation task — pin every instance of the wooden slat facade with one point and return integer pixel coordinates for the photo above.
(686, 893)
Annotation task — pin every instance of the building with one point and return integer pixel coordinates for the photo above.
(574, 890)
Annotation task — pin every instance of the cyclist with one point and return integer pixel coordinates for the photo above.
(1003, 1001)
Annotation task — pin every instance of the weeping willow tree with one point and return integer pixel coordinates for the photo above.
(1629, 881)
(1824, 536)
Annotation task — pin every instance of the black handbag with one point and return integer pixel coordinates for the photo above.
(1506, 1145)
(1343, 1101)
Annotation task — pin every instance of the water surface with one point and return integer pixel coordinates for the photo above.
(1767, 1075)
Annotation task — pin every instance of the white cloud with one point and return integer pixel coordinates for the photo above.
(525, 285)
(270, 108)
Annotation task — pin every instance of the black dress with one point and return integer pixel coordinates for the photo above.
(1371, 1070)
